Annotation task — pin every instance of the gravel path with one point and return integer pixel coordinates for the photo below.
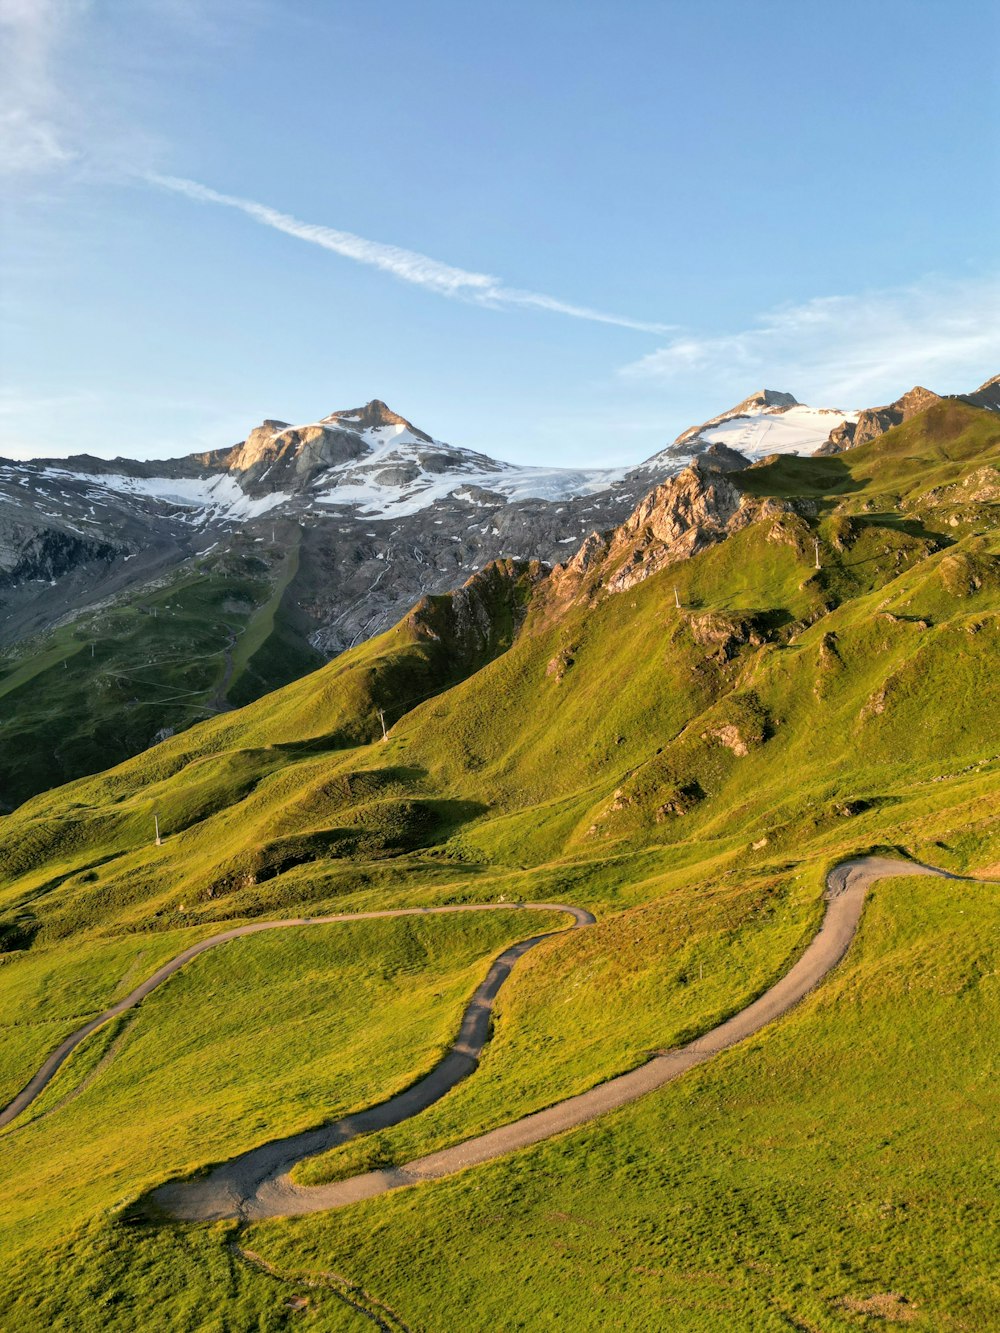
(258, 1184)
(45, 1074)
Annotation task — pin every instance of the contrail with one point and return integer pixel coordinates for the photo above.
(407, 265)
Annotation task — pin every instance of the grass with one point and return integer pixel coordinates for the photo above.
(47, 993)
(272, 651)
(95, 692)
(689, 774)
(600, 1001)
(257, 1037)
(22, 673)
(844, 1154)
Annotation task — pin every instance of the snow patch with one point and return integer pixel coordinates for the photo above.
(759, 432)
(218, 495)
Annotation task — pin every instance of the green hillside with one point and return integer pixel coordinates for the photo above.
(214, 633)
(687, 772)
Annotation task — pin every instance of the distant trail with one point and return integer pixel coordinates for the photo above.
(480, 1003)
(257, 1184)
(218, 700)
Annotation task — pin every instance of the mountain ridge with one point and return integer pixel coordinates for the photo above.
(129, 608)
(684, 758)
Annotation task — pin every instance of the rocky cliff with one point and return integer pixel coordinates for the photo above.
(875, 421)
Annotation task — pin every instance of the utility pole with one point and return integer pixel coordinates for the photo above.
(677, 600)
(381, 718)
(817, 554)
(92, 650)
(156, 823)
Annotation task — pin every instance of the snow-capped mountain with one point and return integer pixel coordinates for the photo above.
(378, 510)
(767, 422)
(299, 541)
(369, 459)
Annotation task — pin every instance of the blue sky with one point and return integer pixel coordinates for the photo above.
(559, 231)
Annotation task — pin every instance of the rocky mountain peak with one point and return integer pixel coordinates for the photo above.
(987, 395)
(373, 416)
(765, 422)
(875, 421)
(765, 398)
(699, 506)
(916, 400)
(290, 456)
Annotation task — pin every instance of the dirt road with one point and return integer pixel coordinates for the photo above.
(257, 1183)
(45, 1074)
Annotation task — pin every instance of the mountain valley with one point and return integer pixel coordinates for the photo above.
(138, 597)
(767, 668)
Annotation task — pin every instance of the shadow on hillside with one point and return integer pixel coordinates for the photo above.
(790, 475)
(910, 527)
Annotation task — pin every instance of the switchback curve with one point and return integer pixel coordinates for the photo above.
(258, 1184)
(47, 1071)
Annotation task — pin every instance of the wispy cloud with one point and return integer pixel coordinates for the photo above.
(406, 265)
(845, 349)
(32, 105)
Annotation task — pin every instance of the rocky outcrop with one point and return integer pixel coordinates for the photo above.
(481, 619)
(695, 509)
(875, 421)
(741, 724)
(278, 457)
(721, 458)
(48, 554)
(987, 395)
(699, 506)
(726, 632)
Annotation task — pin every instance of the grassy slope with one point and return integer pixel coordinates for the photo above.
(586, 763)
(846, 1154)
(96, 691)
(253, 1038)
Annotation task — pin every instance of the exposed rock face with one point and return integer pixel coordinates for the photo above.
(698, 507)
(731, 737)
(840, 438)
(278, 457)
(726, 632)
(49, 554)
(987, 395)
(875, 421)
(481, 618)
(980, 487)
(378, 512)
(701, 505)
(721, 458)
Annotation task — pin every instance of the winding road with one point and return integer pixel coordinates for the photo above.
(50, 1067)
(258, 1184)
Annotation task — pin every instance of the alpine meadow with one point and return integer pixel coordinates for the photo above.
(531, 863)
